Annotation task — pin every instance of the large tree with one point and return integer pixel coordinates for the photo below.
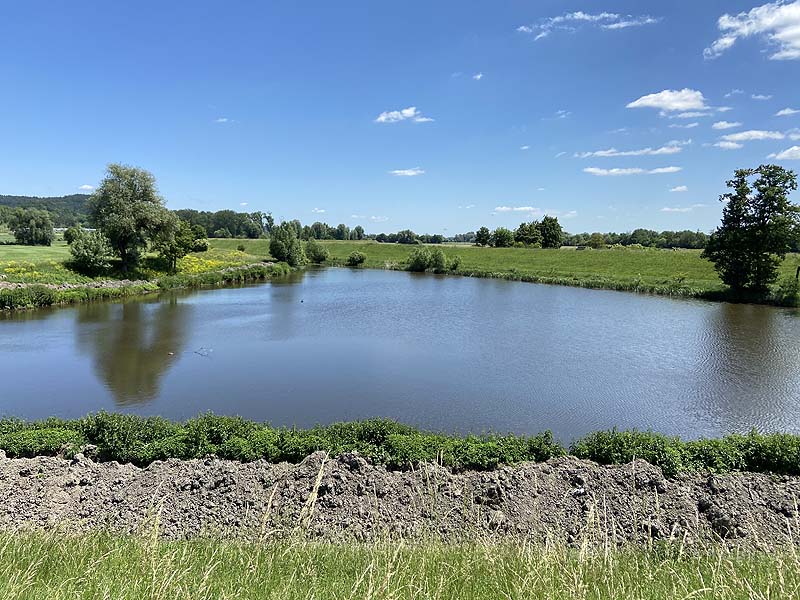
(127, 209)
(552, 234)
(759, 224)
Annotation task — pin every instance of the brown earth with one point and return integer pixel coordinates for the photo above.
(564, 500)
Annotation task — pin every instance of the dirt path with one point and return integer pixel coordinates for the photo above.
(563, 500)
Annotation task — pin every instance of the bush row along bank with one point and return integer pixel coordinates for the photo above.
(142, 440)
(37, 296)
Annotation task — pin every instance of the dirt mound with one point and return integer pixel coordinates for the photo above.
(564, 500)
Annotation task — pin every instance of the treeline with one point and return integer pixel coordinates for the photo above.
(64, 210)
(229, 223)
(648, 238)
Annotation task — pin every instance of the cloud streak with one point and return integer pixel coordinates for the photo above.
(416, 171)
(406, 114)
(778, 23)
(571, 22)
(617, 172)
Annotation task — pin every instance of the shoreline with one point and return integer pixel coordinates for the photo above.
(564, 501)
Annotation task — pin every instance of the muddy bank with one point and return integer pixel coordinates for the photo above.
(562, 500)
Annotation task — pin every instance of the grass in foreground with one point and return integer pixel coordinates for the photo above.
(50, 566)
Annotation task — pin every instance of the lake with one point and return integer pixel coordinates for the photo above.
(446, 353)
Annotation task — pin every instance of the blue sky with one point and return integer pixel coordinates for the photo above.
(439, 116)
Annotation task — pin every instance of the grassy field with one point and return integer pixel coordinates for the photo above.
(682, 272)
(35, 566)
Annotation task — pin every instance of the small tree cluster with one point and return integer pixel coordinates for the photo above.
(546, 233)
(316, 252)
(285, 245)
(31, 226)
(422, 259)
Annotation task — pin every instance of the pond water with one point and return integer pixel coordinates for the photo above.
(445, 353)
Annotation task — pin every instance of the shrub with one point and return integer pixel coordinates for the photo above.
(455, 263)
(72, 234)
(438, 261)
(419, 260)
(356, 259)
(41, 442)
(285, 246)
(90, 253)
(316, 252)
(787, 292)
(240, 248)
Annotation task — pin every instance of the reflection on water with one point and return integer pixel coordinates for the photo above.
(132, 345)
(447, 353)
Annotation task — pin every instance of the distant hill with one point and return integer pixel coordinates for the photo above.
(66, 210)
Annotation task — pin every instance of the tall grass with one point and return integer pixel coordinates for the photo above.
(38, 566)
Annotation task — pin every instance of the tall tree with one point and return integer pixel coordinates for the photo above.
(483, 236)
(552, 234)
(759, 225)
(127, 209)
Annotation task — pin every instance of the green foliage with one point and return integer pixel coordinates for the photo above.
(176, 238)
(455, 263)
(759, 225)
(127, 209)
(64, 210)
(483, 237)
(774, 453)
(438, 261)
(356, 259)
(419, 260)
(141, 440)
(285, 245)
(502, 238)
(73, 233)
(33, 296)
(528, 234)
(90, 253)
(596, 240)
(552, 234)
(406, 236)
(787, 292)
(31, 227)
(316, 252)
(27, 443)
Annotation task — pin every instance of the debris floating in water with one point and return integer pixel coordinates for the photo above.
(204, 351)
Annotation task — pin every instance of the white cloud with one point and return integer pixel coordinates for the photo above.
(673, 147)
(792, 153)
(753, 134)
(777, 22)
(223, 120)
(734, 92)
(598, 172)
(375, 219)
(687, 126)
(761, 97)
(693, 114)
(477, 76)
(395, 116)
(724, 109)
(562, 114)
(679, 188)
(242, 203)
(570, 22)
(793, 134)
(86, 187)
(526, 209)
(407, 172)
(560, 154)
(787, 112)
(729, 145)
(669, 209)
(318, 211)
(358, 217)
(725, 125)
(540, 189)
(467, 207)
(672, 101)
(524, 147)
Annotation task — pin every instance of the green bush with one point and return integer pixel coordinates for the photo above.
(356, 259)
(438, 261)
(240, 248)
(27, 443)
(72, 233)
(316, 252)
(419, 260)
(455, 263)
(90, 253)
(32, 296)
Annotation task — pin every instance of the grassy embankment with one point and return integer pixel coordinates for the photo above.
(38, 565)
(45, 270)
(138, 440)
(672, 272)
